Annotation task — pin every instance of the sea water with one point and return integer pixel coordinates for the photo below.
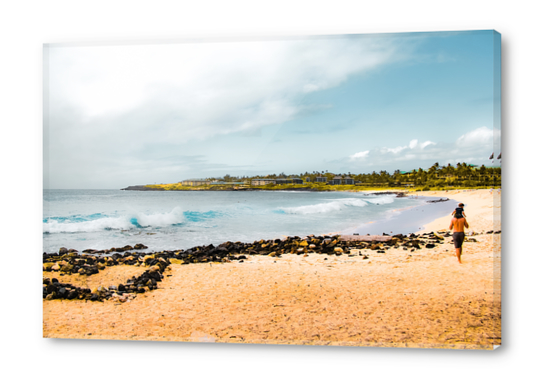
(170, 220)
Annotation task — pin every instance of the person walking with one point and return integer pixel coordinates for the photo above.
(458, 236)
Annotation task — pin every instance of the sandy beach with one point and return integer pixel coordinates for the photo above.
(401, 298)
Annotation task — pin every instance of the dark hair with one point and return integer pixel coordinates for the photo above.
(461, 204)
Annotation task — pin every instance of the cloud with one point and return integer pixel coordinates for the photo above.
(114, 111)
(360, 155)
(474, 146)
(477, 137)
(197, 90)
(395, 153)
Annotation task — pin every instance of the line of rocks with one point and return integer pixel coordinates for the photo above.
(92, 261)
(148, 281)
(71, 262)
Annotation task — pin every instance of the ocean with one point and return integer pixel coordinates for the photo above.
(171, 220)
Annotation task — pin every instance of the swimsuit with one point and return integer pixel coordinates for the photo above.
(458, 238)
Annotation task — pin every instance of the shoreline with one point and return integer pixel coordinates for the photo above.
(401, 297)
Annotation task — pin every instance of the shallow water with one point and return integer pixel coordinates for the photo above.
(167, 220)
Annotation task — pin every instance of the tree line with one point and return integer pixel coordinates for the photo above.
(460, 175)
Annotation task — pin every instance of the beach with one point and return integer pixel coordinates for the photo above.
(401, 298)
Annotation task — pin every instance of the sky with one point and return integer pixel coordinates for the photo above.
(129, 114)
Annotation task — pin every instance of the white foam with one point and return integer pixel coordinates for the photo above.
(161, 219)
(53, 226)
(381, 200)
(332, 206)
(125, 222)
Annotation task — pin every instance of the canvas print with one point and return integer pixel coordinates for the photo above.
(311, 190)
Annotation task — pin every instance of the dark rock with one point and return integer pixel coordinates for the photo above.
(430, 245)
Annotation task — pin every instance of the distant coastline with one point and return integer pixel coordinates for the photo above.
(378, 191)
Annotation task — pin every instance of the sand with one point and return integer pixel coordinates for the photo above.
(401, 298)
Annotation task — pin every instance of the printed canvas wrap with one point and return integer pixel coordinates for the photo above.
(311, 190)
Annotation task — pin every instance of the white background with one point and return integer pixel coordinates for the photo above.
(26, 25)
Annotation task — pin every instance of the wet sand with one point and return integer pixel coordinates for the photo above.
(400, 298)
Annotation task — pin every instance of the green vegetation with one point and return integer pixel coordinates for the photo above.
(435, 178)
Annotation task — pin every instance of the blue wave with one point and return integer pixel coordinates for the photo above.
(201, 216)
(75, 218)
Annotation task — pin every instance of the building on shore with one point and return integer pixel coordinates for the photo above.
(195, 182)
(337, 180)
(348, 180)
(321, 179)
(263, 182)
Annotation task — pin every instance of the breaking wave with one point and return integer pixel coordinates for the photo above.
(331, 206)
(381, 200)
(335, 205)
(98, 222)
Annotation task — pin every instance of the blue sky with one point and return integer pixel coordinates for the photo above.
(121, 115)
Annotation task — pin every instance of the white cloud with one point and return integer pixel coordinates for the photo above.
(426, 143)
(360, 155)
(197, 90)
(480, 136)
(473, 147)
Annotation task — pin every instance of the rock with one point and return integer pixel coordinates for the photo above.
(55, 267)
(71, 295)
(176, 261)
(63, 251)
(50, 288)
(430, 245)
(51, 296)
(47, 266)
(273, 254)
(312, 246)
(67, 268)
(148, 258)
